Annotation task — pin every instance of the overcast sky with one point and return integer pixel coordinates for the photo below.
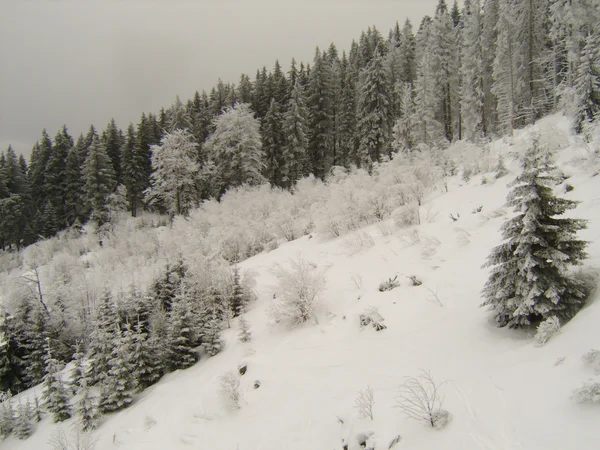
(80, 62)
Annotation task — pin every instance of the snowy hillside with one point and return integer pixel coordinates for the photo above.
(502, 390)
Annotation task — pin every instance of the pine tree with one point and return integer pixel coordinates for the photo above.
(374, 112)
(295, 131)
(74, 209)
(272, 143)
(119, 385)
(16, 181)
(99, 182)
(7, 414)
(37, 168)
(236, 148)
(245, 335)
(56, 395)
(507, 85)
(175, 175)
(112, 139)
(320, 144)
(88, 408)
(238, 299)
(36, 346)
(530, 278)
(146, 359)
(472, 95)
(23, 427)
(587, 81)
(179, 335)
(78, 373)
(55, 181)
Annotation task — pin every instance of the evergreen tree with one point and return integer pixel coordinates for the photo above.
(374, 112)
(295, 132)
(120, 383)
(530, 279)
(13, 221)
(74, 209)
(16, 181)
(23, 427)
(428, 129)
(55, 174)
(587, 81)
(146, 359)
(507, 84)
(55, 392)
(88, 408)
(99, 182)
(35, 343)
(472, 95)
(7, 414)
(174, 179)
(320, 144)
(489, 39)
(180, 341)
(272, 143)
(238, 299)
(113, 140)
(236, 148)
(37, 168)
(245, 335)
(78, 375)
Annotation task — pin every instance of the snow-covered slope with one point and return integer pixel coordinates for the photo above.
(502, 390)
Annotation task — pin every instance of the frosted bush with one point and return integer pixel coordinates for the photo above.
(592, 359)
(229, 390)
(364, 402)
(406, 216)
(588, 393)
(547, 329)
(300, 287)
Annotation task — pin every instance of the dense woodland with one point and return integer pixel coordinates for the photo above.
(463, 74)
(466, 74)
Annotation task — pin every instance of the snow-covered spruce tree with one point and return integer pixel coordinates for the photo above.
(7, 414)
(471, 102)
(530, 279)
(78, 371)
(56, 394)
(175, 177)
(99, 181)
(587, 81)
(118, 386)
(374, 112)
(295, 125)
(88, 408)
(23, 428)
(181, 354)
(245, 335)
(147, 362)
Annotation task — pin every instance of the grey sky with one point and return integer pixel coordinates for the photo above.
(85, 61)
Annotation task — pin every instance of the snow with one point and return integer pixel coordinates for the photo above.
(502, 390)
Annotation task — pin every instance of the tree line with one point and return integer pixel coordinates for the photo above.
(467, 73)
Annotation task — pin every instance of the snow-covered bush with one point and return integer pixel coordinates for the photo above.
(364, 402)
(229, 390)
(547, 329)
(419, 398)
(406, 216)
(244, 335)
(300, 288)
(371, 316)
(76, 441)
(389, 284)
(588, 393)
(592, 359)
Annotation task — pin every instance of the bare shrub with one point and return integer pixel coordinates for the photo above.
(419, 398)
(364, 402)
(230, 385)
(76, 441)
(300, 286)
(547, 329)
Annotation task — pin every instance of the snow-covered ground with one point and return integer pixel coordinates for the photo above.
(502, 390)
